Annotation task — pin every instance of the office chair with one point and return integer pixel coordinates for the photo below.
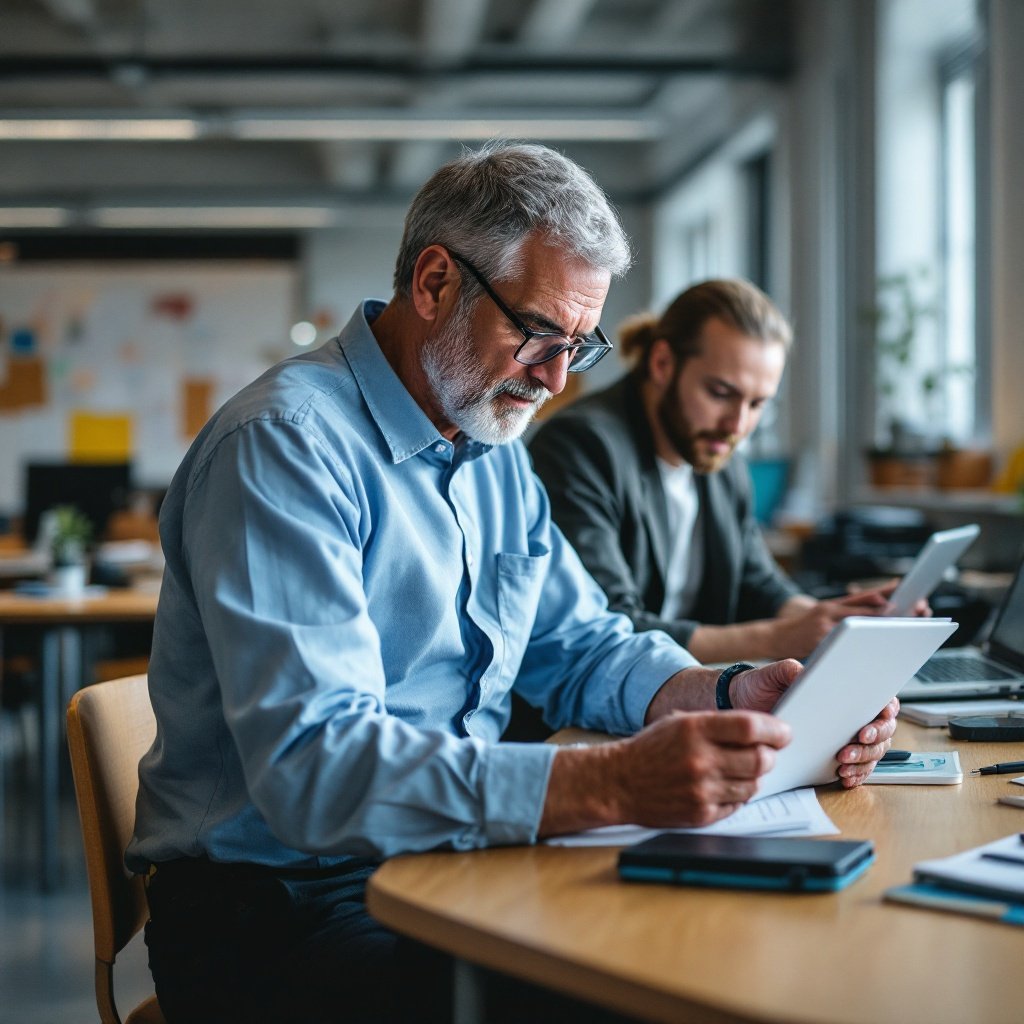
(110, 727)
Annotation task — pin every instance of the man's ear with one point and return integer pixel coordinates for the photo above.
(661, 364)
(435, 282)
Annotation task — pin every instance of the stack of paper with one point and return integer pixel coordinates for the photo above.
(987, 881)
(796, 813)
(939, 712)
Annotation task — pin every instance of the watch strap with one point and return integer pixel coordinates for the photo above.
(722, 701)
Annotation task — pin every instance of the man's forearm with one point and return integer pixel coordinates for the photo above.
(796, 605)
(585, 790)
(588, 786)
(744, 641)
(692, 689)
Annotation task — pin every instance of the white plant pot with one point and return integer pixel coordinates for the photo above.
(68, 580)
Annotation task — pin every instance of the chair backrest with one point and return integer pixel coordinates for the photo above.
(110, 727)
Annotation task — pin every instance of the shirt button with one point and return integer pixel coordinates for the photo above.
(439, 448)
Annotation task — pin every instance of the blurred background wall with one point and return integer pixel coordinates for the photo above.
(190, 191)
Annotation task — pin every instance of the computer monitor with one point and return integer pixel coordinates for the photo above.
(96, 489)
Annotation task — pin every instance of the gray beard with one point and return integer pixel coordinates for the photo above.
(466, 393)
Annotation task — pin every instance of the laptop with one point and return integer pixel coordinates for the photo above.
(996, 669)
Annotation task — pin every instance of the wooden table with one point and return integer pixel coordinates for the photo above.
(61, 623)
(560, 917)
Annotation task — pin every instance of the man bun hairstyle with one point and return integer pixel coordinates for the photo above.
(734, 301)
(637, 335)
(487, 202)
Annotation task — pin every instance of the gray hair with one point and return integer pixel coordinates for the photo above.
(486, 203)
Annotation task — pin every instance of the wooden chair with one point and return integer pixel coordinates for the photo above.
(110, 727)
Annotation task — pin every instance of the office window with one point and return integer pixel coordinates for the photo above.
(757, 182)
(957, 304)
(698, 250)
(926, 195)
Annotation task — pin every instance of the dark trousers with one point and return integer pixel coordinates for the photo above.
(237, 942)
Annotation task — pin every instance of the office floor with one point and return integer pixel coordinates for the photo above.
(46, 950)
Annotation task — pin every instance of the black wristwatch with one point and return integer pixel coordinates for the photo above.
(722, 701)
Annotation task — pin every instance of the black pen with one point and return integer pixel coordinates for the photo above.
(1004, 858)
(1000, 769)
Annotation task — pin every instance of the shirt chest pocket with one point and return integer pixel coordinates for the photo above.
(520, 581)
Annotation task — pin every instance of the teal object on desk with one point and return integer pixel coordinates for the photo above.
(746, 862)
(936, 897)
(770, 478)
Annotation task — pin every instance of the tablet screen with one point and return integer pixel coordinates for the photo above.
(851, 676)
(940, 552)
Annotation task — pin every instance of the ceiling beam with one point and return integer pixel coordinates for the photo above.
(14, 68)
(79, 13)
(552, 23)
(677, 17)
(451, 30)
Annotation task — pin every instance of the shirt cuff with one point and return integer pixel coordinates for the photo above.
(515, 783)
(648, 676)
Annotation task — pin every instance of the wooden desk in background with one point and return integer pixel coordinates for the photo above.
(60, 623)
(560, 917)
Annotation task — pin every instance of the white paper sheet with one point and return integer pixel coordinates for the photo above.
(795, 813)
(996, 868)
(938, 712)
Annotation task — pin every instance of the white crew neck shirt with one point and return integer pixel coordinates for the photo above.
(686, 540)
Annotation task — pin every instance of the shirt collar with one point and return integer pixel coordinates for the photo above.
(405, 427)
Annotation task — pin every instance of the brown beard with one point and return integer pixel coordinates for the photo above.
(685, 439)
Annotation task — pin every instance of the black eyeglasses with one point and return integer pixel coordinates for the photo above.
(540, 346)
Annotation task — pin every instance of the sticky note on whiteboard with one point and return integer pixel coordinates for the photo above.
(99, 437)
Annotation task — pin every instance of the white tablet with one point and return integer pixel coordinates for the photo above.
(940, 552)
(848, 679)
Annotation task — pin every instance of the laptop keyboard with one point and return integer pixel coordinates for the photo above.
(961, 669)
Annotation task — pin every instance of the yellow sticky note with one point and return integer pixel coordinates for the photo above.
(99, 437)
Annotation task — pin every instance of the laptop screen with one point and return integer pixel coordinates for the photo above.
(1007, 640)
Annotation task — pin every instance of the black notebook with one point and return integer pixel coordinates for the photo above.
(747, 862)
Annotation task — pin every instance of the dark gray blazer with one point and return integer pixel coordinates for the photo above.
(596, 459)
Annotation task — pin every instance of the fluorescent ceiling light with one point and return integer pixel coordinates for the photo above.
(215, 217)
(273, 126)
(34, 217)
(392, 129)
(99, 129)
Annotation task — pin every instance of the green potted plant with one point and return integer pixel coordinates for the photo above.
(905, 450)
(70, 532)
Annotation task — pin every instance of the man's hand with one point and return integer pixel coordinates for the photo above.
(857, 760)
(687, 769)
(922, 609)
(761, 688)
(798, 630)
(692, 769)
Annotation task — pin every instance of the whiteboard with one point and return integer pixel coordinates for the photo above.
(126, 340)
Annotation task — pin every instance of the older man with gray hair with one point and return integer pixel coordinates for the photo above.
(361, 567)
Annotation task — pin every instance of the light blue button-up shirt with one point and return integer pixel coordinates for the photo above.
(348, 600)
